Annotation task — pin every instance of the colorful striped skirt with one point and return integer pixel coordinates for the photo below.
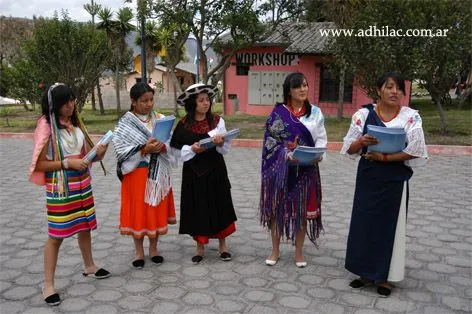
(70, 215)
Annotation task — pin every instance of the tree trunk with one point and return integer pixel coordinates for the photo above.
(100, 99)
(177, 88)
(117, 90)
(437, 99)
(340, 112)
(94, 108)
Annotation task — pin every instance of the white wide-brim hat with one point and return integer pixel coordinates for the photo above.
(196, 89)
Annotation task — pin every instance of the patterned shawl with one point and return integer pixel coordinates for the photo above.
(290, 194)
(129, 137)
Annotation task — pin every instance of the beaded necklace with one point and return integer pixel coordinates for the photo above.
(145, 118)
(386, 120)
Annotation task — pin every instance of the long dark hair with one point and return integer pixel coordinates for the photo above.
(60, 95)
(138, 90)
(295, 80)
(395, 77)
(191, 104)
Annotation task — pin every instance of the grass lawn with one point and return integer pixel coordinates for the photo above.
(459, 123)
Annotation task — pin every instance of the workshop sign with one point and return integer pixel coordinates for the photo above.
(266, 59)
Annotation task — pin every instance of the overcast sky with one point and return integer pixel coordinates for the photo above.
(46, 8)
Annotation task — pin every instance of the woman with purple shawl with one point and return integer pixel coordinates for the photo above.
(291, 194)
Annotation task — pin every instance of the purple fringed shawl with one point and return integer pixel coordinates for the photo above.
(289, 193)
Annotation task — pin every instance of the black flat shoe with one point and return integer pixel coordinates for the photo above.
(197, 259)
(157, 259)
(139, 263)
(225, 256)
(358, 283)
(53, 300)
(384, 292)
(99, 274)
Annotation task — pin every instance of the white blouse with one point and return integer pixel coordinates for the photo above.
(315, 124)
(132, 163)
(71, 143)
(408, 119)
(186, 153)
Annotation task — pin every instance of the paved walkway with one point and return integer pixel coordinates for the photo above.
(439, 249)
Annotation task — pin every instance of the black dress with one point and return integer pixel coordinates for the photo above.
(206, 206)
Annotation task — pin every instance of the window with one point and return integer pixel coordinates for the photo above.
(329, 86)
(242, 69)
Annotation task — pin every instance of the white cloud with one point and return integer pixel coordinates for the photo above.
(46, 8)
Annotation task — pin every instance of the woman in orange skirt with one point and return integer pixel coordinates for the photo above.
(147, 201)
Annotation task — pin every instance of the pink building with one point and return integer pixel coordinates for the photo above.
(253, 81)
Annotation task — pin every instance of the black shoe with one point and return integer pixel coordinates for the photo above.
(384, 292)
(197, 259)
(358, 283)
(139, 263)
(225, 256)
(99, 274)
(53, 300)
(157, 259)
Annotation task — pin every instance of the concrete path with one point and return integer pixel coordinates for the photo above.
(438, 267)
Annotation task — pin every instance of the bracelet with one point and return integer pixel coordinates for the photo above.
(64, 164)
(384, 158)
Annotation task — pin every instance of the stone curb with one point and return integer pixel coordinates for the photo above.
(445, 150)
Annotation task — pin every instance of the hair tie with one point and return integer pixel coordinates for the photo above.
(50, 94)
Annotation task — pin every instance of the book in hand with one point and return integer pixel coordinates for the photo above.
(103, 141)
(391, 140)
(227, 136)
(306, 155)
(162, 128)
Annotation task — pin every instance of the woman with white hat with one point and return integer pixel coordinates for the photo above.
(206, 207)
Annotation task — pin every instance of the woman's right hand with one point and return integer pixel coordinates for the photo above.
(367, 140)
(197, 149)
(76, 164)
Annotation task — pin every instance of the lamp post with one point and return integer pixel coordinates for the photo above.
(141, 11)
(198, 62)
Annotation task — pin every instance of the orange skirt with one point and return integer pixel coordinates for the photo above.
(138, 218)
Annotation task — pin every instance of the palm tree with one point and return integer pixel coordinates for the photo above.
(93, 9)
(116, 31)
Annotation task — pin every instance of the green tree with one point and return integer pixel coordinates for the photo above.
(341, 12)
(226, 25)
(116, 31)
(59, 51)
(275, 12)
(93, 8)
(435, 60)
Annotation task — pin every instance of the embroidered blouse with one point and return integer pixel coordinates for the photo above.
(186, 153)
(408, 119)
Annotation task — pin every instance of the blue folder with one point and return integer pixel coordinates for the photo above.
(162, 128)
(391, 140)
(104, 140)
(305, 155)
(228, 137)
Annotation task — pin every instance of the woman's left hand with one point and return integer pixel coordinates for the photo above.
(218, 140)
(101, 150)
(374, 156)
